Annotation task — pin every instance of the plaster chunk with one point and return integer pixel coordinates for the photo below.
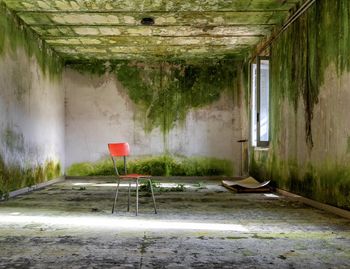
(74, 5)
(86, 31)
(90, 41)
(71, 41)
(140, 31)
(84, 19)
(54, 32)
(42, 5)
(219, 20)
(108, 6)
(129, 19)
(63, 5)
(28, 5)
(109, 31)
(92, 50)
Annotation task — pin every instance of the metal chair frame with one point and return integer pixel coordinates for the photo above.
(122, 150)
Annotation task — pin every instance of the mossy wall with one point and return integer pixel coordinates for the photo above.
(14, 176)
(166, 91)
(189, 108)
(31, 107)
(15, 34)
(310, 95)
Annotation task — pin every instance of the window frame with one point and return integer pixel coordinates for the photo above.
(257, 62)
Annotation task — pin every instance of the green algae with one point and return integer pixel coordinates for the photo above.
(328, 182)
(14, 34)
(14, 176)
(157, 166)
(300, 57)
(165, 92)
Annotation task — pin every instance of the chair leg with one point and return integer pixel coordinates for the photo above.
(137, 197)
(154, 200)
(116, 196)
(129, 197)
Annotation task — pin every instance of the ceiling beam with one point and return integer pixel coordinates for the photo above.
(190, 19)
(149, 5)
(166, 31)
(152, 41)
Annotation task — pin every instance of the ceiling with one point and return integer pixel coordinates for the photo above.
(182, 29)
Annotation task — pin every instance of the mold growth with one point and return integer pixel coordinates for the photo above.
(166, 91)
(299, 58)
(13, 140)
(327, 182)
(14, 177)
(15, 34)
(157, 166)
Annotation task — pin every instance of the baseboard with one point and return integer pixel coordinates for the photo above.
(35, 187)
(332, 209)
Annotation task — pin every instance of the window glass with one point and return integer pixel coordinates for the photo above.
(260, 86)
(253, 104)
(264, 100)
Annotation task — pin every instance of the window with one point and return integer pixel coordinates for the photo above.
(260, 73)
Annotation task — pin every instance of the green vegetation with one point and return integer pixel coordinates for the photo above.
(157, 166)
(328, 182)
(146, 187)
(301, 55)
(15, 34)
(166, 91)
(299, 60)
(14, 177)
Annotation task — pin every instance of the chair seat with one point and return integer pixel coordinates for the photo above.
(133, 176)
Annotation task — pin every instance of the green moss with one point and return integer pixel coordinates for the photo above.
(157, 166)
(166, 91)
(328, 182)
(14, 177)
(300, 57)
(318, 40)
(15, 34)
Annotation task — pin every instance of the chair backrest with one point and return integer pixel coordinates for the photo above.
(119, 150)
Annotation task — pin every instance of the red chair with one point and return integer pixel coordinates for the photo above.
(123, 150)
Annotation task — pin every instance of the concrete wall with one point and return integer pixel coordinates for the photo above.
(310, 94)
(31, 121)
(99, 111)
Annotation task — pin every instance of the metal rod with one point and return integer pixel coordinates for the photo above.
(292, 19)
(116, 196)
(137, 197)
(154, 201)
(125, 170)
(129, 197)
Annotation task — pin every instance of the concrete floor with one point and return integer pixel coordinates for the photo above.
(69, 225)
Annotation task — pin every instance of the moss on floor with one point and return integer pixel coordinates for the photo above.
(157, 166)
